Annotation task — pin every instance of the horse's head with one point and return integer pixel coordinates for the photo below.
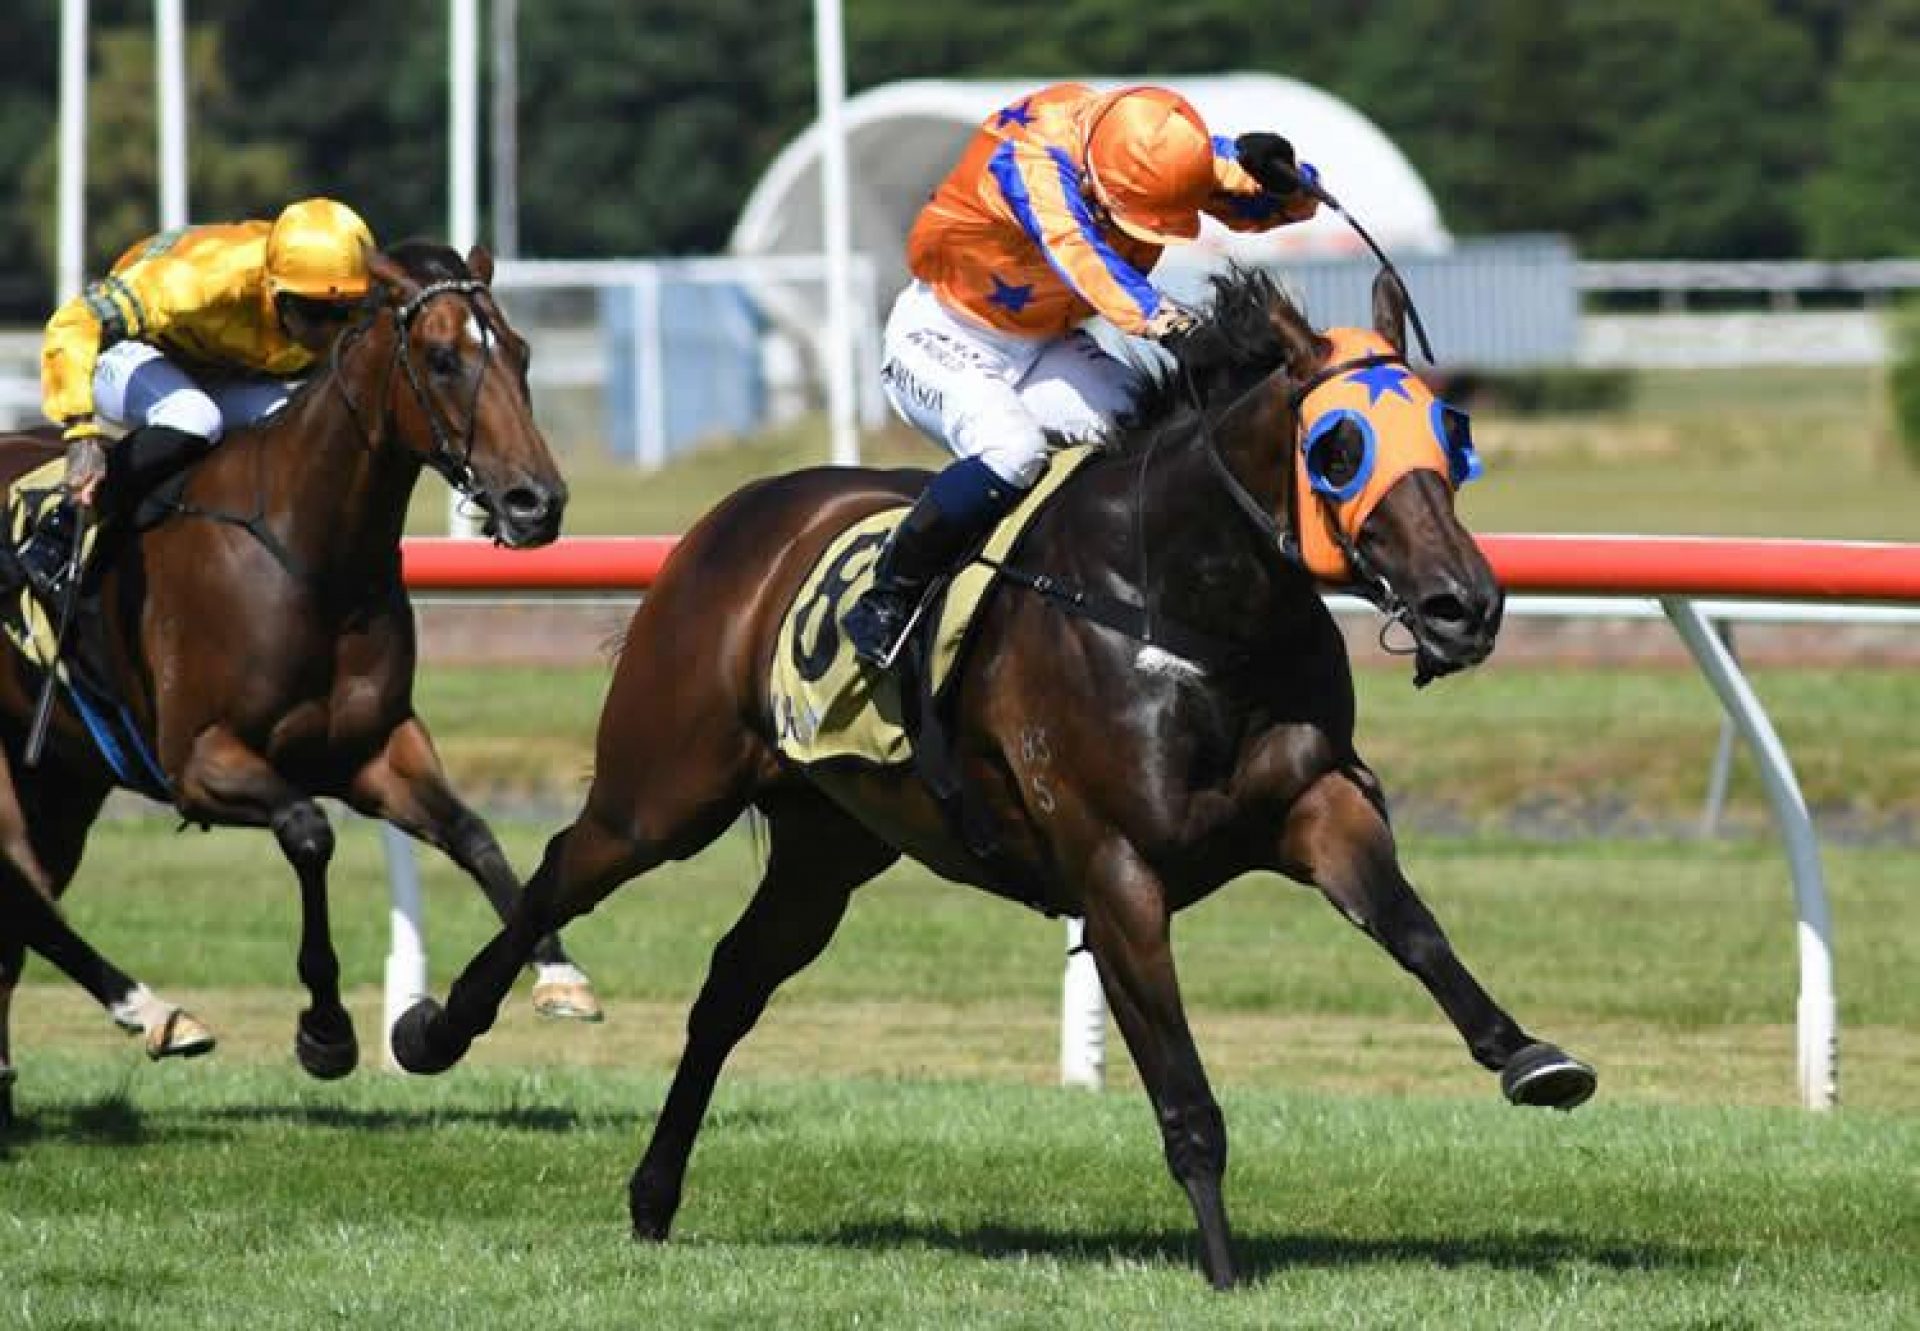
(460, 402)
(1368, 461)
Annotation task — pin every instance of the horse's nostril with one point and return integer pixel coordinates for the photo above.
(1445, 608)
(524, 503)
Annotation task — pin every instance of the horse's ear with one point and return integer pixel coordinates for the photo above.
(1390, 301)
(1299, 344)
(480, 263)
(382, 269)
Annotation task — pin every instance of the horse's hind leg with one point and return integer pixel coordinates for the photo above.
(1337, 838)
(1128, 933)
(819, 855)
(42, 834)
(406, 786)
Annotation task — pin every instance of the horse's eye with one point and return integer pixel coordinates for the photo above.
(444, 361)
(1339, 457)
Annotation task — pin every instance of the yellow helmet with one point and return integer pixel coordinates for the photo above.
(318, 249)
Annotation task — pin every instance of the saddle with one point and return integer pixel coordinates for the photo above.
(829, 707)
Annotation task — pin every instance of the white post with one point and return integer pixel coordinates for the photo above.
(170, 78)
(506, 128)
(1818, 1017)
(407, 949)
(649, 371)
(463, 173)
(73, 149)
(1083, 1016)
(830, 82)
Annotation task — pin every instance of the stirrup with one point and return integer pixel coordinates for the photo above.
(896, 640)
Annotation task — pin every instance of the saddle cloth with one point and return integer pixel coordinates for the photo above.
(827, 704)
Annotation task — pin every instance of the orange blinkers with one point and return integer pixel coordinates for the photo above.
(1403, 428)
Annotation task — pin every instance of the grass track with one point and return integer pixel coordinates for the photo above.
(246, 1197)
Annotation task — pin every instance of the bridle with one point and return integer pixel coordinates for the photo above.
(452, 455)
(1369, 583)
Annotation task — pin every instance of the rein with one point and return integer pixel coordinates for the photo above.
(455, 467)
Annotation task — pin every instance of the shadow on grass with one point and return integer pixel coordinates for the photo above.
(1541, 1252)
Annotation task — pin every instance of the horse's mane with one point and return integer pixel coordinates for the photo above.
(1235, 344)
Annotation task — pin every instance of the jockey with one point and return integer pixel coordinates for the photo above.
(1058, 209)
(195, 332)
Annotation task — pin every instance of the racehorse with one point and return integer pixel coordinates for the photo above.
(261, 645)
(1127, 770)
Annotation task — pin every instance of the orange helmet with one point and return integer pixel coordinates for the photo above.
(1151, 162)
(318, 249)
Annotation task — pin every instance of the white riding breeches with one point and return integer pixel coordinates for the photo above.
(990, 395)
(134, 384)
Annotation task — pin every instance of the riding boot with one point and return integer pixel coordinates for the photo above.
(952, 515)
(142, 460)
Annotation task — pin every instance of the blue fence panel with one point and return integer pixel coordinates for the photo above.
(708, 351)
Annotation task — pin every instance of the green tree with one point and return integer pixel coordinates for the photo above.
(1866, 201)
(225, 177)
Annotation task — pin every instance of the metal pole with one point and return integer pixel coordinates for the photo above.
(463, 172)
(170, 78)
(1722, 755)
(830, 80)
(1818, 1017)
(506, 128)
(73, 150)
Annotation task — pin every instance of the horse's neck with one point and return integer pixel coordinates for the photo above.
(1193, 555)
(334, 496)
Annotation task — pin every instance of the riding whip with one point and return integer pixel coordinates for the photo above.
(43, 707)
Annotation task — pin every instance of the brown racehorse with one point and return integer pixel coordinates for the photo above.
(263, 645)
(1124, 780)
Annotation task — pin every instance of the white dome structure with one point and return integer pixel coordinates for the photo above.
(902, 139)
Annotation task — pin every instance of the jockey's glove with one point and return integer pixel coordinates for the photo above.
(1170, 322)
(81, 427)
(86, 467)
(1269, 159)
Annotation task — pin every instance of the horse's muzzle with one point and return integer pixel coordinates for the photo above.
(525, 515)
(1454, 627)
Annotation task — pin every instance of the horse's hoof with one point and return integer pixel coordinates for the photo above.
(415, 1047)
(570, 997)
(180, 1036)
(1544, 1075)
(652, 1206)
(326, 1057)
(7, 1078)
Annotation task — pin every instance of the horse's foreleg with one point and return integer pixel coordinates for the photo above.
(225, 781)
(1127, 931)
(406, 786)
(582, 864)
(818, 857)
(1337, 838)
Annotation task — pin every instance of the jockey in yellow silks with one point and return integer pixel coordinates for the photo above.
(1058, 210)
(194, 332)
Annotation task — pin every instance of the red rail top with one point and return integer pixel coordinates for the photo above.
(1587, 565)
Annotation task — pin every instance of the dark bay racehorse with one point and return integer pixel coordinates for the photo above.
(1126, 780)
(263, 643)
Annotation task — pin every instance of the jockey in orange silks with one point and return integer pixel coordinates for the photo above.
(1056, 212)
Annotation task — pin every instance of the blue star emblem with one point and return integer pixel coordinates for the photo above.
(1381, 380)
(1020, 113)
(1012, 299)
